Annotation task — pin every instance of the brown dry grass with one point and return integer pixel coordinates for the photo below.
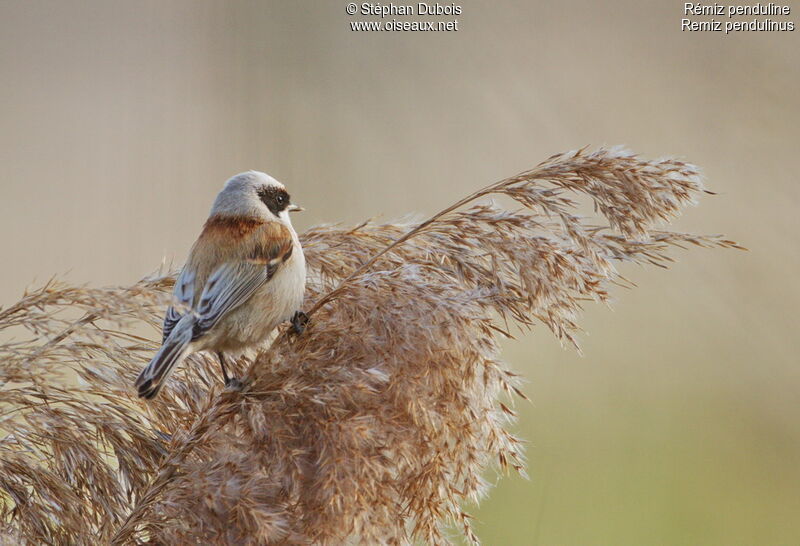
(378, 425)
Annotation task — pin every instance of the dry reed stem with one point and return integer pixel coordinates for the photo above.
(376, 426)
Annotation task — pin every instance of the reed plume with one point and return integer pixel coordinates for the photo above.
(380, 424)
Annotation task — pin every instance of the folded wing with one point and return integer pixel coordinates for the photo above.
(229, 286)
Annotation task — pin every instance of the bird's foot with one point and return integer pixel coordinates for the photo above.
(234, 384)
(299, 322)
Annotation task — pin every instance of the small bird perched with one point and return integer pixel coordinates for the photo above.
(245, 275)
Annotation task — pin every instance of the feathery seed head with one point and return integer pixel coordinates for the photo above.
(377, 425)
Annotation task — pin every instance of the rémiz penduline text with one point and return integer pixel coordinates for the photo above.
(722, 10)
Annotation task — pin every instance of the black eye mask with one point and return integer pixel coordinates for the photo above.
(276, 199)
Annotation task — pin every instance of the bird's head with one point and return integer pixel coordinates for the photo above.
(254, 194)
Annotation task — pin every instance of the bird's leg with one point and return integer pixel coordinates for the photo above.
(299, 322)
(229, 381)
(224, 369)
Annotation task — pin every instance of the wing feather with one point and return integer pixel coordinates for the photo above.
(183, 293)
(228, 287)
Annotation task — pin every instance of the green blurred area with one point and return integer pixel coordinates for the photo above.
(678, 425)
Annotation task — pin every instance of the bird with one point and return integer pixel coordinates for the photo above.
(244, 276)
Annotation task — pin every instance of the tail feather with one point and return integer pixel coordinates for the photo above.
(171, 353)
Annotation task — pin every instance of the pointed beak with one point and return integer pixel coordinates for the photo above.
(295, 208)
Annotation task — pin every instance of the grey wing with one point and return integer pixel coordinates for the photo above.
(183, 293)
(229, 286)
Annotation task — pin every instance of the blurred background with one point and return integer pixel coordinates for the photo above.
(119, 122)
